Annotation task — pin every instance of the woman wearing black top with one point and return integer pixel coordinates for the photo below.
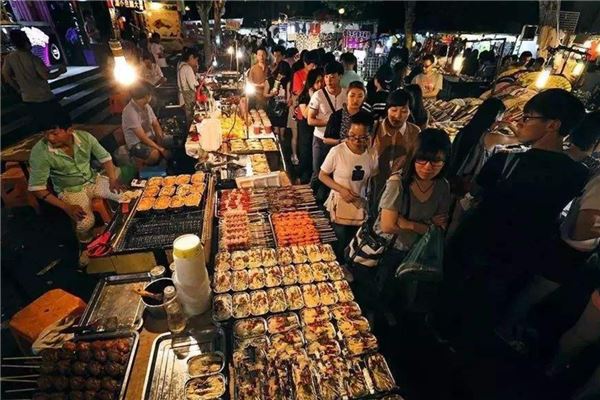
(418, 113)
(338, 125)
(314, 82)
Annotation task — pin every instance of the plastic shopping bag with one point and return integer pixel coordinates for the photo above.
(424, 261)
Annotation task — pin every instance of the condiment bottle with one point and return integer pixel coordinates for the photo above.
(175, 317)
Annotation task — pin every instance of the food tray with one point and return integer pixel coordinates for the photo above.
(114, 297)
(261, 233)
(167, 369)
(134, 339)
(277, 199)
(321, 222)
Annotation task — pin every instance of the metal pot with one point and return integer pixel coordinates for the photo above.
(154, 307)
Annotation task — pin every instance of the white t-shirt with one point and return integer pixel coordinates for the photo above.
(319, 102)
(157, 49)
(590, 200)
(186, 77)
(349, 169)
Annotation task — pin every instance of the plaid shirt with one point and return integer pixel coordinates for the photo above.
(371, 65)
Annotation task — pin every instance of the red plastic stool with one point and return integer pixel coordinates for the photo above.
(51, 307)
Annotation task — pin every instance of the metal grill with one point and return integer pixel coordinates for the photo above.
(159, 231)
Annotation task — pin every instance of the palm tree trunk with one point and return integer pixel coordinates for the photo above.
(409, 21)
(204, 7)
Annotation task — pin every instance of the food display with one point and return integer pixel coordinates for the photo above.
(205, 364)
(259, 164)
(343, 291)
(233, 127)
(273, 277)
(282, 323)
(268, 145)
(241, 305)
(256, 278)
(259, 302)
(205, 388)
(380, 373)
(249, 146)
(95, 367)
(311, 295)
(172, 192)
(234, 232)
(249, 328)
(294, 297)
(277, 300)
(222, 307)
(222, 281)
(300, 228)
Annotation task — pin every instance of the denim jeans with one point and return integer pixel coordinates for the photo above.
(319, 152)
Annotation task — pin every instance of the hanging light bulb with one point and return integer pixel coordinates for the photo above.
(458, 62)
(230, 50)
(542, 78)
(215, 63)
(124, 73)
(578, 68)
(341, 11)
(218, 40)
(238, 54)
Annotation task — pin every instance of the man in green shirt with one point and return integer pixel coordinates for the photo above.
(64, 156)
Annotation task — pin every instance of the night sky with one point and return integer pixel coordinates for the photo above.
(472, 16)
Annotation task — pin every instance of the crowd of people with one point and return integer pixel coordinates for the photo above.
(387, 180)
(383, 174)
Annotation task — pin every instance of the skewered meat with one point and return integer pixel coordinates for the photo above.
(97, 345)
(50, 355)
(70, 346)
(63, 367)
(100, 355)
(110, 385)
(79, 368)
(65, 354)
(83, 346)
(45, 382)
(61, 382)
(85, 355)
(123, 345)
(89, 395)
(93, 384)
(104, 395)
(95, 368)
(77, 383)
(76, 395)
(113, 369)
(115, 356)
(47, 368)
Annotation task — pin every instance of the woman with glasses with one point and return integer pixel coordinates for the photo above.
(410, 205)
(346, 171)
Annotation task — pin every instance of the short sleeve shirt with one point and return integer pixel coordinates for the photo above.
(319, 102)
(134, 117)
(348, 78)
(431, 82)
(349, 169)
(393, 197)
(26, 69)
(186, 78)
(67, 173)
(590, 200)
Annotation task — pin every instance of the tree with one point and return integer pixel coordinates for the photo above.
(204, 7)
(548, 20)
(409, 21)
(218, 11)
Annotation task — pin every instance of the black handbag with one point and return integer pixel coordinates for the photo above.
(367, 247)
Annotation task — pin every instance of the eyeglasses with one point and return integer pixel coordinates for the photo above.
(526, 118)
(434, 163)
(358, 138)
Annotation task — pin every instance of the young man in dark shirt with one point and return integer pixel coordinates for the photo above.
(512, 233)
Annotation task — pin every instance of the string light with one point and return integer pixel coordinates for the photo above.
(542, 78)
(238, 54)
(230, 50)
(341, 11)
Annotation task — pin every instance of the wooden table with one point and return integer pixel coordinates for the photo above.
(151, 330)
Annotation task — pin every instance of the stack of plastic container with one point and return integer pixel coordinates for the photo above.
(190, 276)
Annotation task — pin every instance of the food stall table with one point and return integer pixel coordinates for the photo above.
(151, 330)
(457, 87)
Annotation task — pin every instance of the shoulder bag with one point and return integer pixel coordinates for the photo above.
(367, 247)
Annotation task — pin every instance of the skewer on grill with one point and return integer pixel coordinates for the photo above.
(21, 358)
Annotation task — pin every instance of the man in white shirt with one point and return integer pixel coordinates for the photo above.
(322, 104)
(143, 134)
(349, 61)
(28, 75)
(157, 50)
(187, 82)
(150, 71)
(429, 81)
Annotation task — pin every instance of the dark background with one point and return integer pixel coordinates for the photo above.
(465, 16)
